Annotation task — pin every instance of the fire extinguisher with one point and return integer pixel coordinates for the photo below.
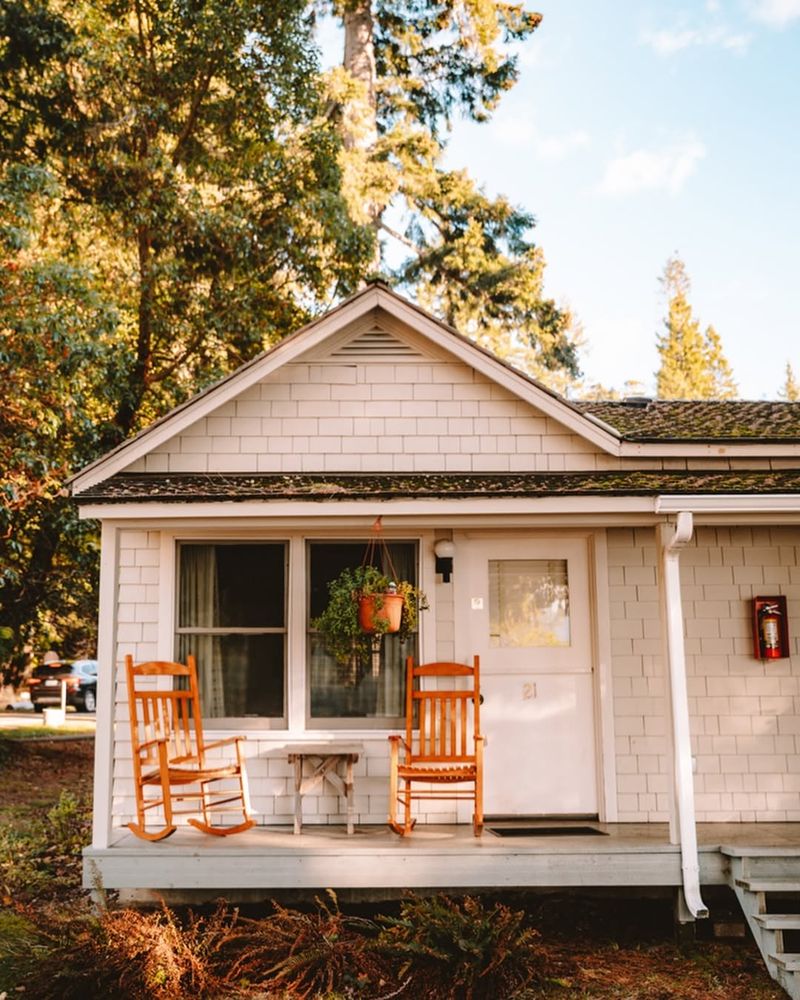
(769, 632)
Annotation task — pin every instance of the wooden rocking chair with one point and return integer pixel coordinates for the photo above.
(169, 755)
(442, 753)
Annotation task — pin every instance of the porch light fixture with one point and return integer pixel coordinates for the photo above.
(444, 550)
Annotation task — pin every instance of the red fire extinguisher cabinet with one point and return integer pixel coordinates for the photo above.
(770, 628)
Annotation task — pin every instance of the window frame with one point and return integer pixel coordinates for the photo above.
(361, 724)
(247, 721)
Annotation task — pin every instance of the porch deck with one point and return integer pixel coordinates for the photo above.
(273, 858)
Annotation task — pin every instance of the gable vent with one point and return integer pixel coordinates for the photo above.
(375, 343)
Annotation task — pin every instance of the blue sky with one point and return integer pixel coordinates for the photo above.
(641, 129)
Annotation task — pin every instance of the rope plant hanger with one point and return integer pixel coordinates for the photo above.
(379, 613)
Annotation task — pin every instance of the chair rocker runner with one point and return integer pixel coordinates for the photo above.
(170, 755)
(445, 753)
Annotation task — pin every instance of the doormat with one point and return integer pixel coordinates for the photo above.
(547, 831)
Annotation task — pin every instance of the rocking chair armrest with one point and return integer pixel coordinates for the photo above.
(396, 741)
(225, 742)
(151, 743)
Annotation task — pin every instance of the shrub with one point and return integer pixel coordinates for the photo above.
(462, 950)
(136, 955)
(321, 953)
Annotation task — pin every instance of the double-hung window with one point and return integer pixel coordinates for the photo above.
(232, 616)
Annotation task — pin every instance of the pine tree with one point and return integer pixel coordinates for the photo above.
(693, 365)
(791, 390)
(408, 69)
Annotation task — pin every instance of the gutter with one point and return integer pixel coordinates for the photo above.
(675, 537)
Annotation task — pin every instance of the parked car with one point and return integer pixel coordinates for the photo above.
(81, 677)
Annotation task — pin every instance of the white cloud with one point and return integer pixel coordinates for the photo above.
(668, 41)
(652, 169)
(776, 13)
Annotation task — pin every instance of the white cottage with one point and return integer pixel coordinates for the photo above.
(648, 713)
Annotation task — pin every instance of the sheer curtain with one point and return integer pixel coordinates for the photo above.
(199, 608)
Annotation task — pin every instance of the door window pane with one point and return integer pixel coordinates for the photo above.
(231, 616)
(528, 603)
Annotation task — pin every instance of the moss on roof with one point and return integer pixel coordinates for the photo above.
(698, 420)
(195, 487)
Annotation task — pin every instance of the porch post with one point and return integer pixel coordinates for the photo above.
(106, 686)
(673, 537)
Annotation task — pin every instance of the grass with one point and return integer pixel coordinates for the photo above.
(54, 946)
(45, 732)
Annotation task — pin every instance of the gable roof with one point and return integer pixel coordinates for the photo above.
(376, 296)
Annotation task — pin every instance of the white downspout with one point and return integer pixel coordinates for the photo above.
(673, 538)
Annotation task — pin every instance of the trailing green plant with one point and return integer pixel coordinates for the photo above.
(339, 625)
(461, 949)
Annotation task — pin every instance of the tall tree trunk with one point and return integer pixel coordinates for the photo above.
(140, 375)
(360, 118)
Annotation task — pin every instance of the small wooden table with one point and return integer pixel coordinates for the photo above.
(325, 759)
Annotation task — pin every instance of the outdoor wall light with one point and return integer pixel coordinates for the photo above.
(443, 550)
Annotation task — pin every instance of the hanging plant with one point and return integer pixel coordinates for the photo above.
(340, 626)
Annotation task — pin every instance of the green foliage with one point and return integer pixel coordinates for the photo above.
(57, 331)
(461, 948)
(44, 858)
(693, 365)
(195, 155)
(338, 624)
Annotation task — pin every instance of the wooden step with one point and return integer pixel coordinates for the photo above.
(778, 921)
(770, 883)
(787, 961)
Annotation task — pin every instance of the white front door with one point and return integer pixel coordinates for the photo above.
(523, 605)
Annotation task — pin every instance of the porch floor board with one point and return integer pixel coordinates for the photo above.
(445, 857)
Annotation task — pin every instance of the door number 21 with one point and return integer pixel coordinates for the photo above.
(528, 691)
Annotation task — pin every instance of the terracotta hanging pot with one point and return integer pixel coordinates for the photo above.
(385, 618)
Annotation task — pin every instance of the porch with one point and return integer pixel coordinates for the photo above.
(273, 858)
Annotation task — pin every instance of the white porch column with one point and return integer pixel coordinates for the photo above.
(672, 538)
(106, 686)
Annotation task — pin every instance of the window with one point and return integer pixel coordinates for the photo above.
(528, 603)
(232, 617)
(364, 694)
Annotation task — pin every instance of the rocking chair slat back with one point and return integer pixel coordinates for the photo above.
(169, 753)
(443, 746)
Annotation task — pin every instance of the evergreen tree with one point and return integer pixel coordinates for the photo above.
(791, 390)
(408, 69)
(693, 365)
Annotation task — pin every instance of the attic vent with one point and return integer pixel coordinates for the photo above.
(374, 343)
(637, 401)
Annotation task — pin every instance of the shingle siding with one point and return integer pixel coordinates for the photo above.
(745, 713)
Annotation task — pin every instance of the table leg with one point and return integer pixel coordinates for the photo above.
(348, 791)
(298, 794)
